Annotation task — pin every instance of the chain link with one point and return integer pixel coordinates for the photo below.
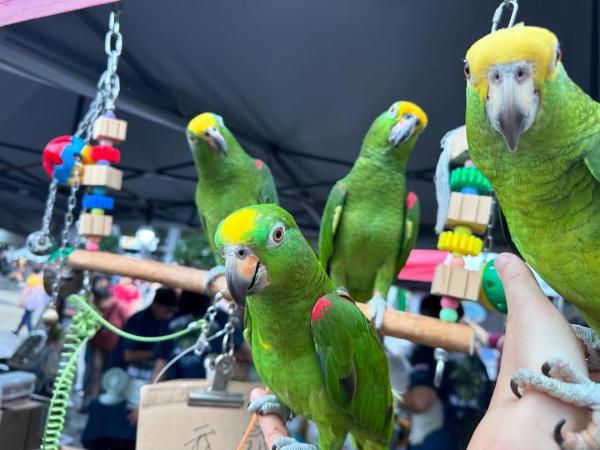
(506, 4)
(71, 204)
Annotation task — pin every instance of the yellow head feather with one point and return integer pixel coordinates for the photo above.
(411, 108)
(520, 43)
(238, 227)
(199, 124)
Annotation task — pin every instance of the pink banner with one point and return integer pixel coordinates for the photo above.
(421, 265)
(13, 11)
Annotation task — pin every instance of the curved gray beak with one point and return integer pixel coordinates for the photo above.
(512, 101)
(403, 130)
(243, 272)
(216, 140)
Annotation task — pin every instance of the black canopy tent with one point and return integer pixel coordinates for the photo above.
(298, 82)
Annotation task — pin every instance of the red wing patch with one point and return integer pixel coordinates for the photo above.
(320, 309)
(411, 198)
(259, 164)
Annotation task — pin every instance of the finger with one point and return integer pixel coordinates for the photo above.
(271, 425)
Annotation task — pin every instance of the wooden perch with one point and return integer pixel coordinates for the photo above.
(419, 329)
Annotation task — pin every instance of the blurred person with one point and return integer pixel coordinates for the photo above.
(193, 306)
(127, 293)
(100, 347)
(445, 417)
(32, 300)
(138, 358)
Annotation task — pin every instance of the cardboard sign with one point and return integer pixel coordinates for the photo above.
(166, 420)
(13, 11)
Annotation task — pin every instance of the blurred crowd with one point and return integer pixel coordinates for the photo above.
(431, 415)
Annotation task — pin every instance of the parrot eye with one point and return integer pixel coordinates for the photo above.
(277, 235)
(558, 56)
(393, 110)
(193, 140)
(467, 69)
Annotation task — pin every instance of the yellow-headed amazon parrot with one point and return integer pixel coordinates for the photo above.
(313, 348)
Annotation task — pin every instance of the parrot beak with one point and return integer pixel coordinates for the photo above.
(244, 273)
(512, 102)
(215, 139)
(403, 130)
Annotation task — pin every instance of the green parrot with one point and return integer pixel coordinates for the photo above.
(228, 178)
(536, 136)
(313, 348)
(370, 222)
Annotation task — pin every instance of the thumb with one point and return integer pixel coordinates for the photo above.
(520, 286)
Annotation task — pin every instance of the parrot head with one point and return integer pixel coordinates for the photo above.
(264, 250)
(510, 70)
(207, 129)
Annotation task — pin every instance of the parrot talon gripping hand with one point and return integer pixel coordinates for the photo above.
(288, 443)
(377, 306)
(592, 345)
(270, 404)
(313, 348)
(562, 380)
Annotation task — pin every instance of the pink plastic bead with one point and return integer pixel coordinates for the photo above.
(448, 302)
(457, 261)
(92, 246)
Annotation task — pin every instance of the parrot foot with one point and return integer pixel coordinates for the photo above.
(378, 306)
(270, 404)
(288, 443)
(562, 380)
(592, 344)
(212, 275)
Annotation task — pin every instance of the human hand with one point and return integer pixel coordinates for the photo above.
(271, 424)
(535, 332)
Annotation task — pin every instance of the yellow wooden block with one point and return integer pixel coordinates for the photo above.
(473, 211)
(114, 130)
(456, 282)
(102, 176)
(92, 225)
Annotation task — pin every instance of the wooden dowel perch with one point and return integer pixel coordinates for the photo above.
(419, 329)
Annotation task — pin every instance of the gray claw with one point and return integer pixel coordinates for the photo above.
(378, 306)
(592, 344)
(288, 443)
(558, 432)
(212, 275)
(270, 404)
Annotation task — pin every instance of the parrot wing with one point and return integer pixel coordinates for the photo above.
(592, 161)
(268, 191)
(353, 364)
(330, 221)
(412, 217)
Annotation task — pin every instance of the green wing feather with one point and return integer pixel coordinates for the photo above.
(332, 215)
(412, 218)
(353, 364)
(268, 191)
(592, 161)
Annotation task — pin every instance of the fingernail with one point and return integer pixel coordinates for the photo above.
(502, 260)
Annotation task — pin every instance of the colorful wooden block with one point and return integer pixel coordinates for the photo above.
(456, 282)
(114, 130)
(95, 225)
(102, 176)
(473, 211)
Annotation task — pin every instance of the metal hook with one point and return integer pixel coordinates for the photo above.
(500, 10)
(441, 356)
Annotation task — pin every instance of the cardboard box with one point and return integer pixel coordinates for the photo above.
(21, 426)
(167, 422)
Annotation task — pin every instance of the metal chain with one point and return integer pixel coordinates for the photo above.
(228, 341)
(108, 84)
(506, 4)
(71, 204)
(202, 343)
